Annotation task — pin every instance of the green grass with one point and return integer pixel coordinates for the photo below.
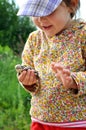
(14, 101)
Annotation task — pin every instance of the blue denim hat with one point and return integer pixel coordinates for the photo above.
(38, 8)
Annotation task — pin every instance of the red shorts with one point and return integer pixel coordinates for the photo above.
(38, 126)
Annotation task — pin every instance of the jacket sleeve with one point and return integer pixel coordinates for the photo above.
(27, 60)
(80, 77)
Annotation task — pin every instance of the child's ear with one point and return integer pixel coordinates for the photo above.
(73, 7)
(72, 10)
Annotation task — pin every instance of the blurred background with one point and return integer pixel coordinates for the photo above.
(14, 101)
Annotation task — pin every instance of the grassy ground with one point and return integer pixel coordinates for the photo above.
(14, 101)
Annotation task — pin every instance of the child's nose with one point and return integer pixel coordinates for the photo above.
(41, 19)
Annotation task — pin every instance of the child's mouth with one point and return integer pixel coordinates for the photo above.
(47, 27)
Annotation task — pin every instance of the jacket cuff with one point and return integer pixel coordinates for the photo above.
(79, 91)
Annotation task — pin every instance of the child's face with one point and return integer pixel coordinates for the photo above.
(55, 22)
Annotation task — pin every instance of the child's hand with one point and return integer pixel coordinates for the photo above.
(27, 77)
(64, 75)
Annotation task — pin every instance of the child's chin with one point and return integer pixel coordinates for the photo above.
(49, 35)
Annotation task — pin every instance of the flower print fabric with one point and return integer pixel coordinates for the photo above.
(54, 103)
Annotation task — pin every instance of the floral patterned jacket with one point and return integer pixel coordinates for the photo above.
(54, 103)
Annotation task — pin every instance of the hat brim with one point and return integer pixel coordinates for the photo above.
(38, 9)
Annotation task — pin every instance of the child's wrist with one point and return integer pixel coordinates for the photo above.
(34, 87)
(31, 88)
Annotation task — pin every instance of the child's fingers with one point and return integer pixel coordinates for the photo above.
(26, 80)
(53, 63)
(69, 82)
(69, 79)
(22, 76)
(27, 77)
(58, 76)
(32, 78)
(57, 67)
(66, 72)
(64, 76)
(53, 66)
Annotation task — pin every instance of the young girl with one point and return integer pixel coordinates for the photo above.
(56, 55)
